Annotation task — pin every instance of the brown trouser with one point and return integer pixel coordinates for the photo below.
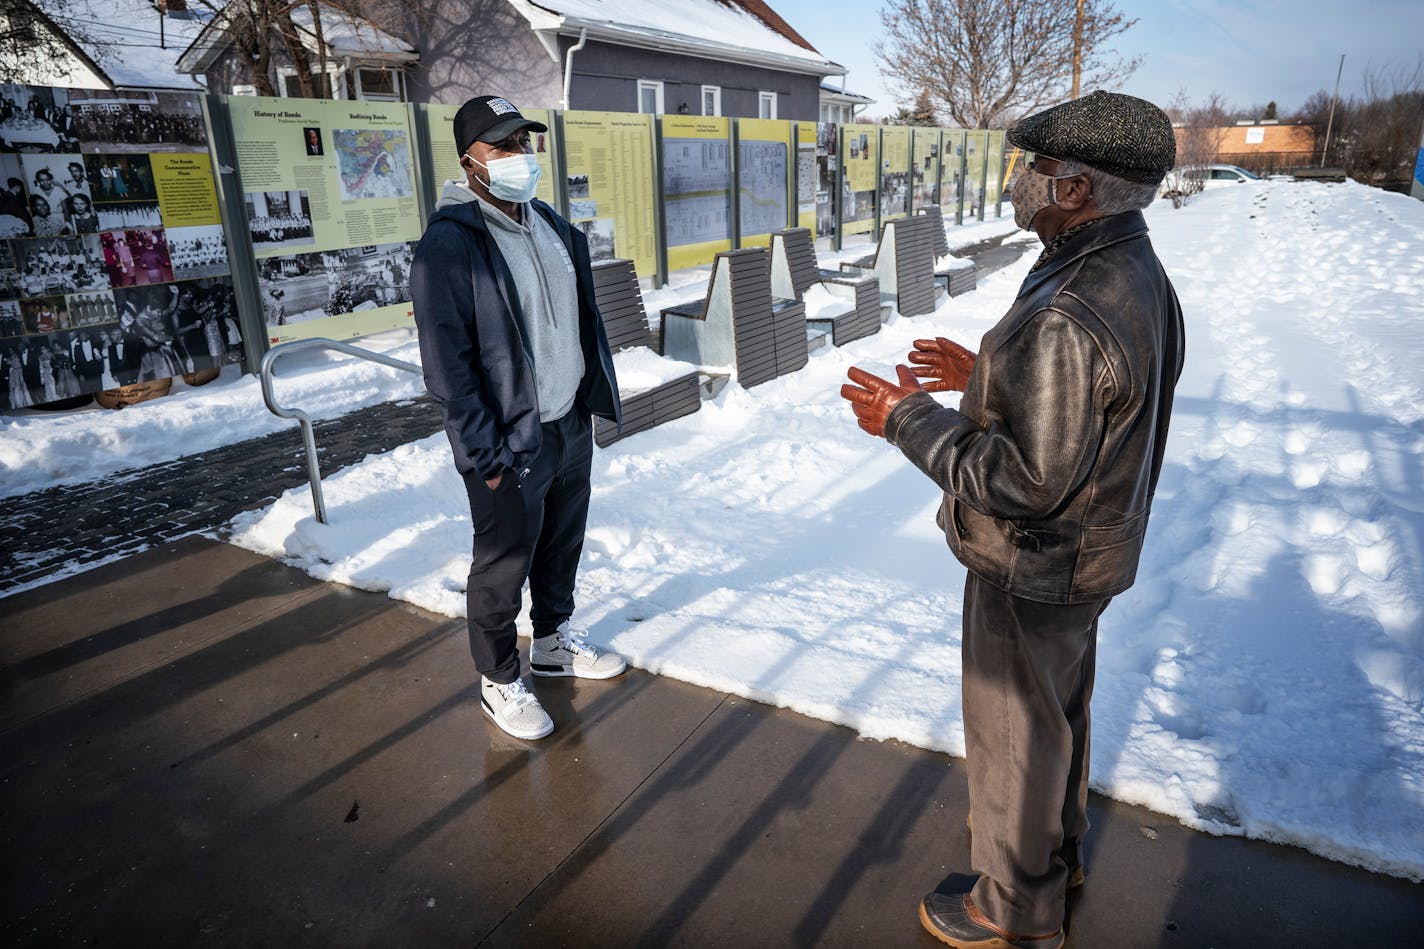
(1028, 677)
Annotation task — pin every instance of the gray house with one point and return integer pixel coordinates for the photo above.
(697, 57)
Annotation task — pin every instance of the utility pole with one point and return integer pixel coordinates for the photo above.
(1078, 50)
(1330, 123)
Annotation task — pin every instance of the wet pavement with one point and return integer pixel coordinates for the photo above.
(200, 746)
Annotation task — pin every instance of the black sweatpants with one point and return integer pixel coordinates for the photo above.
(530, 527)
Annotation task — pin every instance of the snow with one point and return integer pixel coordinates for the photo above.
(125, 38)
(639, 369)
(1265, 676)
(691, 20)
(42, 449)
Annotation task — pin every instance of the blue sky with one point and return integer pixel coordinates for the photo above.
(1251, 52)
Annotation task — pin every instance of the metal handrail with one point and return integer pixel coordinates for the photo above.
(286, 349)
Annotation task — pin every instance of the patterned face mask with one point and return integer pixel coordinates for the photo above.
(1032, 193)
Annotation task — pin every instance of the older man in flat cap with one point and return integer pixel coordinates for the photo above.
(515, 355)
(1048, 468)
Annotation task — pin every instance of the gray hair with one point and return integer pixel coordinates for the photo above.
(1111, 194)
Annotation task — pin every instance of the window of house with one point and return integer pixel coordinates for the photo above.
(287, 84)
(766, 103)
(711, 100)
(650, 96)
(378, 84)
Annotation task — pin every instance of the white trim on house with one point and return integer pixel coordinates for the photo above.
(656, 88)
(715, 94)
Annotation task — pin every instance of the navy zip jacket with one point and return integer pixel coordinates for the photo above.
(478, 367)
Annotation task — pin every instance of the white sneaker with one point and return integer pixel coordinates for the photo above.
(515, 709)
(566, 654)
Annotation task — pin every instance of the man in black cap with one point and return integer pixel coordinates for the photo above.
(515, 355)
(1048, 468)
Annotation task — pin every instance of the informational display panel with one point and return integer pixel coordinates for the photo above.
(860, 147)
(113, 264)
(608, 157)
(994, 180)
(975, 145)
(828, 143)
(951, 175)
(925, 158)
(697, 188)
(445, 155)
(329, 192)
(764, 199)
(895, 179)
(806, 176)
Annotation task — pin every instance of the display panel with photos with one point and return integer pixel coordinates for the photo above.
(895, 172)
(994, 176)
(860, 150)
(697, 188)
(828, 140)
(976, 144)
(925, 161)
(609, 168)
(764, 198)
(98, 187)
(807, 176)
(951, 175)
(330, 198)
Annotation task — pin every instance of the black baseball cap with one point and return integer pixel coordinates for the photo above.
(489, 119)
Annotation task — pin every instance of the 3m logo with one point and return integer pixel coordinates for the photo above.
(501, 106)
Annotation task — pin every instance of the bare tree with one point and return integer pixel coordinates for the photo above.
(29, 35)
(1199, 130)
(269, 32)
(985, 63)
(1376, 134)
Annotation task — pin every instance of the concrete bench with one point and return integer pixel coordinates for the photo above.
(956, 274)
(739, 323)
(904, 262)
(850, 307)
(652, 388)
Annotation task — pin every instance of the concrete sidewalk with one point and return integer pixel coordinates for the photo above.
(201, 747)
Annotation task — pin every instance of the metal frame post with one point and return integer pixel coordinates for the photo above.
(242, 265)
(734, 137)
(659, 205)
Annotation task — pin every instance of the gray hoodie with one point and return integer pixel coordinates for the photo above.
(548, 294)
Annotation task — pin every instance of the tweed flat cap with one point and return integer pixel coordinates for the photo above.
(1119, 134)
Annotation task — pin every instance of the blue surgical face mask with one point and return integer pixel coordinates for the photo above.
(512, 179)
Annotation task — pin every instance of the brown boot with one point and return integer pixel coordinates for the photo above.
(955, 921)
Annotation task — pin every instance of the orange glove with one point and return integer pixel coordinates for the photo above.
(872, 398)
(944, 363)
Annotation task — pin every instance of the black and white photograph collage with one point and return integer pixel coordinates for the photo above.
(300, 287)
(94, 292)
(827, 138)
(279, 219)
(583, 212)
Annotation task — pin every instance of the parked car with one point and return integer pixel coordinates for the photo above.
(1210, 176)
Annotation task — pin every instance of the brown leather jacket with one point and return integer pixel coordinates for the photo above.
(1051, 461)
